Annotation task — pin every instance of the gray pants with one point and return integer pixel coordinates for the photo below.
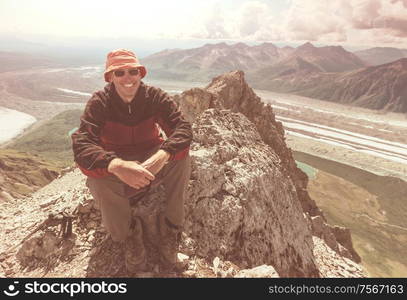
(110, 194)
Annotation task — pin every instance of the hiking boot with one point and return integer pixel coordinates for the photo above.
(169, 241)
(134, 251)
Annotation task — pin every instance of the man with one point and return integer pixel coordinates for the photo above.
(119, 146)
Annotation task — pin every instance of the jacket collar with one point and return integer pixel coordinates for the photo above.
(112, 93)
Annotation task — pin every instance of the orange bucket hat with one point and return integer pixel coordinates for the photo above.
(122, 59)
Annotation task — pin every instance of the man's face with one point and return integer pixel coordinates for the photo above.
(126, 83)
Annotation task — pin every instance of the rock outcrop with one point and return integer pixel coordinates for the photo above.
(239, 195)
(247, 215)
(230, 91)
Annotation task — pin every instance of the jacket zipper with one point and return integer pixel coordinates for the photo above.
(129, 109)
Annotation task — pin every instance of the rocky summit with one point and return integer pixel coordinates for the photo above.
(248, 213)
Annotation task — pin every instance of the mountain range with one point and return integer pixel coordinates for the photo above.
(12, 61)
(372, 78)
(381, 55)
(211, 59)
(382, 87)
(328, 73)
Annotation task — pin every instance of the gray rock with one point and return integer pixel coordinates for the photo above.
(38, 247)
(262, 271)
(240, 207)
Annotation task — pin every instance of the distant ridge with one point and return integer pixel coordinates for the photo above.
(210, 60)
(328, 73)
(382, 87)
(381, 55)
(13, 61)
(204, 62)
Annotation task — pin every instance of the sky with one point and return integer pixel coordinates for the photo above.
(353, 23)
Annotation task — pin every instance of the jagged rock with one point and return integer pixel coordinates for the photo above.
(49, 174)
(337, 238)
(91, 225)
(343, 237)
(85, 207)
(216, 262)
(331, 264)
(182, 260)
(38, 247)
(194, 102)
(262, 271)
(67, 170)
(231, 91)
(224, 269)
(240, 206)
(323, 231)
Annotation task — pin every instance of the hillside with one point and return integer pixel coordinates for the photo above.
(382, 87)
(50, 139)
(22, 173)
(381, 55)
(325, 59)
(328, 73)
(211, 59)
(203, 63)
(372, 206)
(12, 61)
(38, 156)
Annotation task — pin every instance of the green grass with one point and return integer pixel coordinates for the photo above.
(23, 173)
(34, 159)
(344, 193)
(390, 191)
(51, 140)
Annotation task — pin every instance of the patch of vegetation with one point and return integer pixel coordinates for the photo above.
(23, 173)
(390, 191)
(373, 207)
(51, 140)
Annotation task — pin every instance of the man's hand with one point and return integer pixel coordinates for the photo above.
(156, 162)
(131, 172)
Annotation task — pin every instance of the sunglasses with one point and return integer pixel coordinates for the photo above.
(120, 73)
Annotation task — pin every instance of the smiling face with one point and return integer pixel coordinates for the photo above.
(126, 85)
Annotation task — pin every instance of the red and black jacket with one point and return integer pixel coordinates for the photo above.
(111, 128)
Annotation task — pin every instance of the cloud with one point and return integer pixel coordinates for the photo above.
(252, 17)
(363, 13)
(393, 18)
(315, 20)
(215, 25)
(404, 2)
(344, 21)
(212, 26)
(252, 20)
(351, 21)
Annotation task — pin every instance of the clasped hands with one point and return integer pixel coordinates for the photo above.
(136, 174)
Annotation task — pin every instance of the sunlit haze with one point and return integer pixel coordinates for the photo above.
(353, 23)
